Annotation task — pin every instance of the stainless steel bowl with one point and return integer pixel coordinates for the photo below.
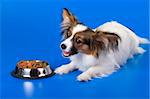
(33, 73)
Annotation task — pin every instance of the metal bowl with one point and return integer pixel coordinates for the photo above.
(32, 72)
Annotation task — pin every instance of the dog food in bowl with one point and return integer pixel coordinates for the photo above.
(33, 64)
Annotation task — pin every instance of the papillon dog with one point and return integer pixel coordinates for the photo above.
(96, 52)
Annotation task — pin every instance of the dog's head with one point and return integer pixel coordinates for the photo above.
(79, 38)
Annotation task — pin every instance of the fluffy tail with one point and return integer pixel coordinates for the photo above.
(143, 40)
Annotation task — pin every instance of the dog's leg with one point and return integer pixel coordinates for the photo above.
(96, 71)
(64, 69)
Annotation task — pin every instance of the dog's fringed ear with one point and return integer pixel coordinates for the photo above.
(107, 41)
(113, 40)
(68, 19)
(101, 41)
(97, 44)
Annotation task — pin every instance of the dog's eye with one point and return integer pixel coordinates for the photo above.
(68, 34)
(79, 41)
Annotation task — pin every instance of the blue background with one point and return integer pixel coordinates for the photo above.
(30, 29)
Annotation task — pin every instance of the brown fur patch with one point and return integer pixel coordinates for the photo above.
(82, 41)
(90, 42)
(68, 20)
(69, 16)
(105, 41)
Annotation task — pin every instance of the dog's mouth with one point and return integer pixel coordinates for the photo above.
(67, 53)
(73, 51)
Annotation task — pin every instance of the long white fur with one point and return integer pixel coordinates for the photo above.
(107, 62)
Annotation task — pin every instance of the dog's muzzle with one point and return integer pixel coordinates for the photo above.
(68, 53)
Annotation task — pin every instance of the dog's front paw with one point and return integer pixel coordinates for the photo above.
(64, 69)
(84, 77)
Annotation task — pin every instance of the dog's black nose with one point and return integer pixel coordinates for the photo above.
(63, 46)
